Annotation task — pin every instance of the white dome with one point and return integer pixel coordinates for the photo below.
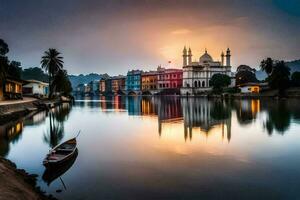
(205, 58)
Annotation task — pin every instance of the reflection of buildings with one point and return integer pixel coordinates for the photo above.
(148, 107)
(204, 114)
(35, 119)
(133, 105)
(9, 133)
(169, 111)
(192, 112)
(247, 110)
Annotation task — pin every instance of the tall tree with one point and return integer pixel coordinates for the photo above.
(3, 59)
(3, 48)
(267, 65)
(14, 69)
(52, 62)
(245, 77)
(295, 78)
(35, 73)
(219, 81)
(280, 77)
(61, 82)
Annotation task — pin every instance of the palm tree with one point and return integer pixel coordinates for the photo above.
(52, 62)
(267, 65)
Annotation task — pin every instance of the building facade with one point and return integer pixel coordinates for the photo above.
(35, 87)
(94, 87)
(102, 86)
(169, 78)
(149, 80)
(197, 74)
(118, 84)
(133, 81)
(11, 89)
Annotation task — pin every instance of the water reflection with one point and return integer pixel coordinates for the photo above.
(166, 140)
(52, 173)
(57, 116)
(202, 115)
(197, 116)
(205, 115)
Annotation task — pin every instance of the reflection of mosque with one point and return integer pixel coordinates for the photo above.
(192, 112)
(204, 114)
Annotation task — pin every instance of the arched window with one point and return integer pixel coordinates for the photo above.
(203, 84)
(199, 83)
(195, 83)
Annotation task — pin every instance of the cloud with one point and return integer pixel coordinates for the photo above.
(181, 31)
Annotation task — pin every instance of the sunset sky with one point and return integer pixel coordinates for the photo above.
(114, 36)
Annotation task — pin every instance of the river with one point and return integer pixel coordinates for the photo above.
(164, 148)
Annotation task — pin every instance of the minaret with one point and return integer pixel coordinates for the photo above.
(190, 56)
(228, 57)
(222, 58)
(184, 56)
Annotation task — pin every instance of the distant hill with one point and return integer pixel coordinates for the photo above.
(84, 79)
(293, 65)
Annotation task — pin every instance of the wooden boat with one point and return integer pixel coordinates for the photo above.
(61, 153)
(52, 173)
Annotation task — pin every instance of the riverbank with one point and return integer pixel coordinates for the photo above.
(18, 184)
(13, 110)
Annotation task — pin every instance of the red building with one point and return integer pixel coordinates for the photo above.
(169, 78)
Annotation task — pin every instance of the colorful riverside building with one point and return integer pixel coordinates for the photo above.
(149, 80)
(169, 78)
(94, 87)
(105, 86)
(133, 81)
(118, 84)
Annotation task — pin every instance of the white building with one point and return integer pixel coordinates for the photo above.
(34, 87)
(197, 74)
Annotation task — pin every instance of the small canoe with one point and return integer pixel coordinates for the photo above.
(61, 153)
(52, 173)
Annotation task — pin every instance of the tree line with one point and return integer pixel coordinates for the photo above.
(278, 77)
(51, 62)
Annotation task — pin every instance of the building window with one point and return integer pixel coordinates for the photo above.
(203, 84)
(195, 84)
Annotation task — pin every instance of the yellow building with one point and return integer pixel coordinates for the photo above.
(250, 87)
(149, 80)
(11, 89)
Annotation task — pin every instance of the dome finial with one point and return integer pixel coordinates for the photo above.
(205, 50)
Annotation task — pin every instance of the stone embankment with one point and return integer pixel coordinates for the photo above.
(14, 111)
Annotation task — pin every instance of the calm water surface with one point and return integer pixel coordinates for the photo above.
(165, 148)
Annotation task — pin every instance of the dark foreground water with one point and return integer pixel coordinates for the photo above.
(164, 148)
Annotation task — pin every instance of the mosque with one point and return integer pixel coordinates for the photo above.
(196, 75)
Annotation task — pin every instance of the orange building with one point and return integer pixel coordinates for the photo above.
(149, 80)
(102, 86)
